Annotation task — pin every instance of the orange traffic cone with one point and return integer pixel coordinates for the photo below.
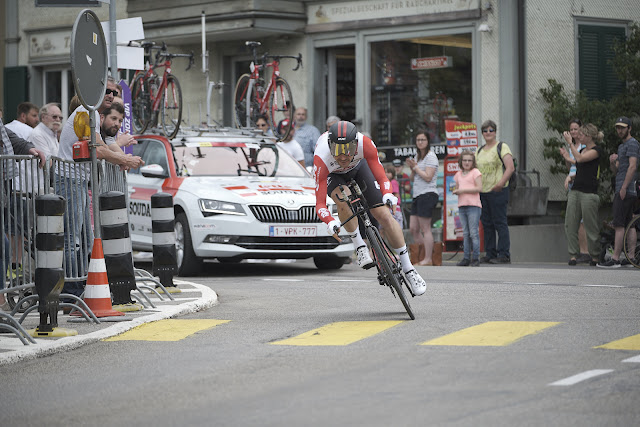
(97, 294)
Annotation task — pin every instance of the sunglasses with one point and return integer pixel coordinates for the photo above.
(111, 91)
(488, 130)
(262, 125)
(54, 116)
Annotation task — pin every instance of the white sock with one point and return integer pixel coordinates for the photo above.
(356, 238)
(403, 254)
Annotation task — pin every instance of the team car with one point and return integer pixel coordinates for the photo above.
(237, 195)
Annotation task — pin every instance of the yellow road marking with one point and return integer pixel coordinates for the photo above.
(167, 330)
(491, 334)
(628, 343)
(340, 333)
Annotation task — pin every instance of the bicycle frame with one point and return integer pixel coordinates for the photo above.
(255, 75)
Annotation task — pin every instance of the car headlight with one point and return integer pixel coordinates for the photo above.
(217, 207)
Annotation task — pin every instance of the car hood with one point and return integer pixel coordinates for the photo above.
(289, 192)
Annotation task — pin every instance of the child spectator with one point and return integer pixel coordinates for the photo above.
(468, 186)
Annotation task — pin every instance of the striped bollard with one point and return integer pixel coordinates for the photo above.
(163, 236)
(49, 277)
(118, 257)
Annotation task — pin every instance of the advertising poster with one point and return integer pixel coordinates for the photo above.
(460, 136)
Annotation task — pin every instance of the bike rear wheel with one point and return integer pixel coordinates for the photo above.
(281, 107)
(171, 107)
(240, 103)
(141, 104)
(634, 258)
(388, 268)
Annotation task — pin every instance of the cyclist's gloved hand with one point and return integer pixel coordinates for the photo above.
(390, 199)
(333, 227)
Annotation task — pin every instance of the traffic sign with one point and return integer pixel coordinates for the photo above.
(89, 59)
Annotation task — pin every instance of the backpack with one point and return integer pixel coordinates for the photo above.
(513, 180)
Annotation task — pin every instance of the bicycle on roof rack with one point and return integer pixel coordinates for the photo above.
(254, 96)
(154, 96)
(389, 269)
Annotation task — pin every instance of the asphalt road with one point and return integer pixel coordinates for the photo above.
(494, 345)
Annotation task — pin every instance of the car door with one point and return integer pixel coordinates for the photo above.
(141, 189)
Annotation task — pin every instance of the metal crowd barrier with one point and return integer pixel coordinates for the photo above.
(22, 180)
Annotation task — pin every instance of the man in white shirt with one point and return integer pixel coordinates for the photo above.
(45, 135)
(27, 119)
(289, 144)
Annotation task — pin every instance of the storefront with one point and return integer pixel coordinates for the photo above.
(394, 67)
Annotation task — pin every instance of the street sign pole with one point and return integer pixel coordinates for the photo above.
(89, 71)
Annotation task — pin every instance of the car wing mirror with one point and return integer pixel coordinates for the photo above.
(153, 171)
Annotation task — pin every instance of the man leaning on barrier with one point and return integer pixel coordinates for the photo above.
(11, 144)
(72, 182)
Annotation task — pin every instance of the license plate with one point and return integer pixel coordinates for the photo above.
(293, 231)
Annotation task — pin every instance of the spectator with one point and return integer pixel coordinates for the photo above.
(307, 135)
(331, 120)
(583, 200)
(468, 186)
(72, 180)
(26, 120)
(495, 195)
(424, 173)
(11, 144)
(574, 128)
(45, 135)
(624, 165)
(403, 181)
(289, 144)
(395, 189)
(262, 123)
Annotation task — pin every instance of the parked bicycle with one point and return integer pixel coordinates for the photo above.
(254, 97)
(154, 96)
(389, 270)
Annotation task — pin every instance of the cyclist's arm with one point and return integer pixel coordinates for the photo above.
(370, 153)
(320, 174)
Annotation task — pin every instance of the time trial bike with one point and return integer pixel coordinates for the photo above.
(387, 264)
(153, 95)
(254, 97)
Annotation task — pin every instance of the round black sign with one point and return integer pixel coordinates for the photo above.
(89, 59)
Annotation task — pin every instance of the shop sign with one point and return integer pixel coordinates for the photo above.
(345, 11)
(431, 63)
(52, 43)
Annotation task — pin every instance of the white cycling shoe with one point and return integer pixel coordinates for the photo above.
(364, 259)
(417, 283)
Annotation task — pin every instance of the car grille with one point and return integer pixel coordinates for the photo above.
(286, 244)
(264, 213)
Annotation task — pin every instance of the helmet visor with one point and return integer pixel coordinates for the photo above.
(349, 148)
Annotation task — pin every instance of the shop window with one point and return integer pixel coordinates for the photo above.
(58, 87)
(595, 51)
(419, 83)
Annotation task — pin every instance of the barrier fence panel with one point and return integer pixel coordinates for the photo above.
(22, 181)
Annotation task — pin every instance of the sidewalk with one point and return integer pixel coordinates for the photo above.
(193, 298)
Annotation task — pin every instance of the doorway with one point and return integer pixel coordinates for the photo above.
(340, 79)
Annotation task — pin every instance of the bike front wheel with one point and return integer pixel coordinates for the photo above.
(140, 104)
(171, 109)
(388, 268)
(281, 108)
(245, 115)
(631, 237)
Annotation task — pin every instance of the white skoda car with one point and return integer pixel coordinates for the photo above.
(236, 196)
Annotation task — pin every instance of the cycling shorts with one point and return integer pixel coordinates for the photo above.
(365, 179)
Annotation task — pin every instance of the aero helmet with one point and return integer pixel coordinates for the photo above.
(343, 138)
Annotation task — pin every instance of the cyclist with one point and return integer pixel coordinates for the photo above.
(337, 159)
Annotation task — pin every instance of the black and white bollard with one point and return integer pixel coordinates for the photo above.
(49, 277)
(163, 237)
(116, 242)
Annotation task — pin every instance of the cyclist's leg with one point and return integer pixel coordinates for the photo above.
(334, 181)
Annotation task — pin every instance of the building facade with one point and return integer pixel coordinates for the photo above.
(391, 66)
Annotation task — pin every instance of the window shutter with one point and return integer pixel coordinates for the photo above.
(595, 50)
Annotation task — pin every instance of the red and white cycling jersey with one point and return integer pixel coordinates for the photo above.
(324, 164)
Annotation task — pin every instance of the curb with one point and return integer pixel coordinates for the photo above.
(208, 299)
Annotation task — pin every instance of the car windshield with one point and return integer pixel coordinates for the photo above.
(235, 159)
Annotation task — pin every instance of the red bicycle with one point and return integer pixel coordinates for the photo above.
(253, 97)
(153, 95)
